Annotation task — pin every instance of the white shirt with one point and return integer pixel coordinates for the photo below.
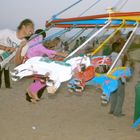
(8, 38)
(113, 56)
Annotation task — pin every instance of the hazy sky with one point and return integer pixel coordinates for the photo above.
(13, 11)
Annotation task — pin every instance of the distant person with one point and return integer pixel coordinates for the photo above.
(66, 47)
(11, 41)
(89, 49)
(82, 40)
(107, 50)
(77, 43)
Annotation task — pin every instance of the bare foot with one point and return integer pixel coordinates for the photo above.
(36, 98)
(33, 101)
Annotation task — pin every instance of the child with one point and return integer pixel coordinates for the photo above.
(38, 49)
(36, 86)
(35, 47)
(12, 42)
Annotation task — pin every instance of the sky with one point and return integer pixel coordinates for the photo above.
(13, 11)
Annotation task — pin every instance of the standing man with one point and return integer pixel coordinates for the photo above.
(12, 41)
(117, 97)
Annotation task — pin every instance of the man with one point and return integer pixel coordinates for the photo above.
(117, 97)
(12, 41)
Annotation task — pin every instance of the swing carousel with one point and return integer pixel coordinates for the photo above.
(91, 68)
(98, 25)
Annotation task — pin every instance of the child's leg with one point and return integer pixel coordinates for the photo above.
(7, 78)
(1, 70)
(34, 88)
(28, 98)
(29, 93)
(33, 100)
(35, 96)
(32, 95)
(40, 92)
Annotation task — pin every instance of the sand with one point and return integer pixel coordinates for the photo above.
(65, 116)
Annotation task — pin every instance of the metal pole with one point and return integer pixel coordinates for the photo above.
(54, 16)
(125, 45)
(94, 35)
(106, 40)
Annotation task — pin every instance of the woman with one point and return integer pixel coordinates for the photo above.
(11, 41)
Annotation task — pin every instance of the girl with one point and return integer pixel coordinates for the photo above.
(38, 84)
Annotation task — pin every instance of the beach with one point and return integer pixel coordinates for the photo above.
(65, 116)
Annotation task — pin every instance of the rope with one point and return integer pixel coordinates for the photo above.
(54, 16)
(118, 4)
(93, 36)
(105, 41)
(123, 5)
(96, 2)
(91, 32)
(76, 36)
(51, 36)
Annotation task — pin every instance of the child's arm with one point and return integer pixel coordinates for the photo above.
(61, 54)
(18, 57)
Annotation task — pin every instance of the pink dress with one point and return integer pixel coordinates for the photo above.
(38, 49)
(36, 86)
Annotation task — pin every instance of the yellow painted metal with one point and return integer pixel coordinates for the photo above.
(105, 41)
(129, 18)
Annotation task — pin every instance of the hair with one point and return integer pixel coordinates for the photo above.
(40, 32)
(115, 46)
(25, 22)
(57, 38)
(128, 35)
(118, 32)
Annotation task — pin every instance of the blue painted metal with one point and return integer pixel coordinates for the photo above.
(110, 83)
(136, 123)
(97, 22)
(54, 16)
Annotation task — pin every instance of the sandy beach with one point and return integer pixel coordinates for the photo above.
(65, 116)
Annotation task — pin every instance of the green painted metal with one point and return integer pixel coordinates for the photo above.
(137, 101)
